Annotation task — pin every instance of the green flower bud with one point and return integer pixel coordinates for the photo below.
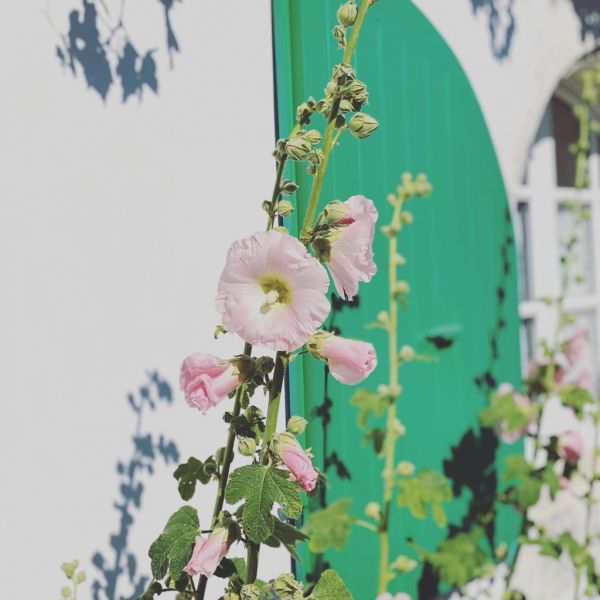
(286, 586)
(405, 468)
(373, 510)
(339, 34)
(383, 316)
(335, 212)
(282, 230)
(296, 425)
(356, 91)
(65, 592)
(342, 74)
(281, 440)
(501, 551)
(402, 288)
(362, 125)
(250, 592)
(346, 106)
(80, 577)
(288, 187)
(285, 208)
(230, 596)
(70, 568)
(313, 136)
(399, 429)
(407, 353)
(403, 564)
(247, 446)
(406, 217)
(346, 14)
(298, 148)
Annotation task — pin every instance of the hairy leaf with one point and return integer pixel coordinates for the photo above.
(330, 587)
(576, 398)
(368, 402)
(527, 483)
(172, 549)
(289, 536)
(330, 527)
(427, 487)
(261, 487)
(504, 409)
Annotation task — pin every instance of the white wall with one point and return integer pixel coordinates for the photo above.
(114, 222)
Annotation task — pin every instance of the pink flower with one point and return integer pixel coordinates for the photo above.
(388, 596)
(575, 348)
(272, 292)
(206, 380)
(208, 553)
(585, 380)
(296, 460)
(351, 256)
(564, 483)
(510, 436)
(570, 446)
(350, 361)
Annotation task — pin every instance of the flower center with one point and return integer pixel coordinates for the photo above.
(276, 292)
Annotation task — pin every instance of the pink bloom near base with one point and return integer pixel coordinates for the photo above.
(208, 553)
(300, 466)
(205, 380)
(350, 361)
(271, 292)
(571, 445)
(351, 257)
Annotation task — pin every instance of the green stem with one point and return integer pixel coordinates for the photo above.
(281, 359)
(252, 562)
(328, 138)
(227, 460)
(276, 193)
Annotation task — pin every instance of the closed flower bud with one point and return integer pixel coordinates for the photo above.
(346, 13)
(288, 187)
(80, 578)
(247, 446)
(298, 148)
(313, 136)
(339, 34)
(65, 592)
(402, 288)
(362, 125)
(346, 106)
(336, 213)
(287, 587)
(285, 208)
(342, 74)
(251, 592)
(404, 564)
(399, 429)
(373, 510)
(406, 217)
(405, 468)
(296, 425)
(282, 230)
(231, 596)
(383, 316)
(356, 91)
(407, 353)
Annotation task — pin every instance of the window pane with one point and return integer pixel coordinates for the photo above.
(566, 129)
(583, 369)
(581, 270)
(527, 342)
(523, 253)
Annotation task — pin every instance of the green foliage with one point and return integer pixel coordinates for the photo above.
(368, 402)
(427, 487)
(172, 549)
(153, 590)
(330, 587)
(261, 487)
(576, 398)
(506, 410)
(459, 559)
(377, 437)
(192, 471)
(527, 483)
(289, 536)
(71, 573)
(330, 527)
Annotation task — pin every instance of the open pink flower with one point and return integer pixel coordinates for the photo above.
(351, 256)
(208, 553)
(350, 361)
(206, 380)
(576, 347)
(507, 434)
(585, 380)
(296, 460)
(272, 292)
(570, 446)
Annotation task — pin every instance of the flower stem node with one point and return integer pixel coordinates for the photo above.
(285, 208)
(362, 125)
(296, 425)
(247, 446)
(405, 468)
(346, 14)
(373, 510)
(403, 564)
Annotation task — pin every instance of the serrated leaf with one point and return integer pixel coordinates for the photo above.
(188, 474)
(506, 413)
(331, 587)
(261, 487)
(330, 527)
(240, 567)
(172, 549)
(425, 488)
(576, 398)
(527, 486)
(368, 402)
(289, 536)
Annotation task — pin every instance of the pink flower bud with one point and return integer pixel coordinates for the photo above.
(570, 446)
(208, 553)
(206, 380)
(350, 361)
(296, 460)
(575, 348)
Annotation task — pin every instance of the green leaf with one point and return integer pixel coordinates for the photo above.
(330, 527)
(506, 411)
(331, 587)
(528, 484)
(172, 549)
(574, 397)
(368, 402)
(240, 567)
(261, 487)
(289, 536)
(187, 474)
(154, 589)
(427, 487)
(377, 436)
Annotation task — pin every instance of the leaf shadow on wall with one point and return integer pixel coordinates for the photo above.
(119, 569)
(98, 47)
(472, 464)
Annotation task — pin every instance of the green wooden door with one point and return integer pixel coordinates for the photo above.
(463, 305)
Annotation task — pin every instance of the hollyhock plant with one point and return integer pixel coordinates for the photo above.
(272, 293)
(349, 361)
(294, 457)
(508, 433)
(205, 380)
(570, 446)
(208, 553)
(350, 256)
(575, 348)
(585, 380)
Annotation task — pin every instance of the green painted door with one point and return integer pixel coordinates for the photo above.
(463, 304)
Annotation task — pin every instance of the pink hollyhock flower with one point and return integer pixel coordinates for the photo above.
(206, 380)
(564, 483)
(208, 553)
(272, 292)
(510, 436)
(575, 348)
(296, 460)
(351, 256)
(585, 380)
(570, 446)
(350, 361)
